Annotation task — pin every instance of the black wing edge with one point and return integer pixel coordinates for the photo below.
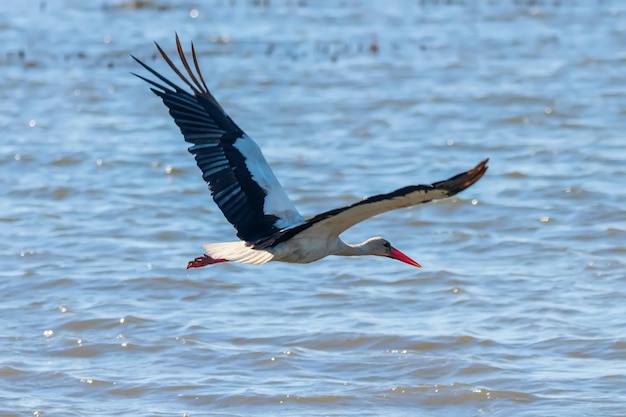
(452, 186)
(463, 180)
(246, 214)
(198, 86)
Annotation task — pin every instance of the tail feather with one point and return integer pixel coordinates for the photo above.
(237, 252)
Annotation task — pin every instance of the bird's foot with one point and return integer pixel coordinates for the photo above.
(204, 260)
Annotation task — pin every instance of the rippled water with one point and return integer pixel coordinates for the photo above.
(519, 309)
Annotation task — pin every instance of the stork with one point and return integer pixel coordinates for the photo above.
(243, 186)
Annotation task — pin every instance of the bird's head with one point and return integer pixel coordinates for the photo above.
(381, 247)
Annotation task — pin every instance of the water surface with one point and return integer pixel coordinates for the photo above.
(518, 310)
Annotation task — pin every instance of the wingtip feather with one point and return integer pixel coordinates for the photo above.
(463, 180)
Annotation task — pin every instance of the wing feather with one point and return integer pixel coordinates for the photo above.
(240, 180)
(335, 222)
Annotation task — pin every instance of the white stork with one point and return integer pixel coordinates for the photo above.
(245, 189)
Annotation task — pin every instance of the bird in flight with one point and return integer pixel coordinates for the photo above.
(243, 186)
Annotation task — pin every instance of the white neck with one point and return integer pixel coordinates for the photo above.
(346, 249)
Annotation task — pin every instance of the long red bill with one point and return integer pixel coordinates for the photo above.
(396, 254)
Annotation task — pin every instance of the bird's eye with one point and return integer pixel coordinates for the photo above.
(387, 245)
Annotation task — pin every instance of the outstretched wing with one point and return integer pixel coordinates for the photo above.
(240, 180)
(335, 222)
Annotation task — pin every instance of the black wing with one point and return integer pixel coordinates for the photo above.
(240, 180)
(335, 222)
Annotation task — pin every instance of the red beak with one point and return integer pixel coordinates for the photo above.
(396, 254)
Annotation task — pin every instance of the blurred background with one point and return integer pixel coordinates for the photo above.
(518, 309)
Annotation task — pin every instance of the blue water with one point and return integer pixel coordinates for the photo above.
(518, 309)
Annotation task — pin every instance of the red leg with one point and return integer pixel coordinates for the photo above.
(204, 260)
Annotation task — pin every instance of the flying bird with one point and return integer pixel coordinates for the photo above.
(245, 189)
